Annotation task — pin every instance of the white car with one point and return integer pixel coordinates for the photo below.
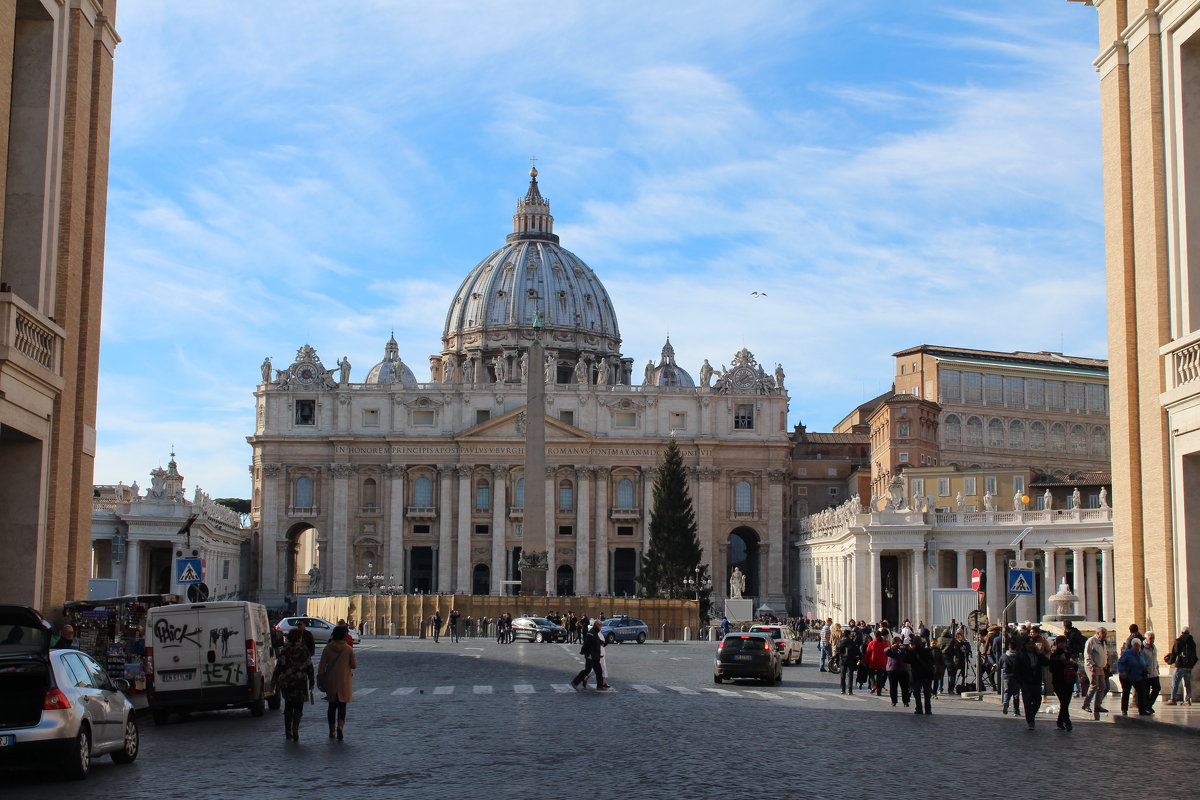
(787, 642)
(321, 629)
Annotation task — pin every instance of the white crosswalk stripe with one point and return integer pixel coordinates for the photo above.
(483, 690)
(523, 688)
(637, 687)
(682, 690)
(362, 692)
(781, 693)
(444, 690)
(561, 688)
(405, 690)
(722, 692)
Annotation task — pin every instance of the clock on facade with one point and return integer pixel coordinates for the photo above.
(743, 377)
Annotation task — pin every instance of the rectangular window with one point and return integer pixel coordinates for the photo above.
(918, 487)
(834, 491)
(993, 390)
(950, 386)
(567, 417)
(904, 429)
(482, 415)
(1019, 483)
(1093, 501)
(483, 497)
(904, 458)
(678, 421)
(1014, 392)
(482, 530)
(566, 498)
(943, 487)
(625, 419)
(802, 491)
(1097, 402)
(420, 529)
(566, 530)
(1056, 395)
(1035, 393)
(989, 484)
(423, 417)
(624, 530)
(225, 563)
(1075, 397)
(370, 417)
(801, 471)
(832, 472)
(743, 417)
(972, 388)
(969, 486)
(306, 412)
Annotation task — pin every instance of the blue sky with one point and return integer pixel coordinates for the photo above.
(888, 173)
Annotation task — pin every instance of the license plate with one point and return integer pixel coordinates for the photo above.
(744, 658)
(8, 740)
(184, 675)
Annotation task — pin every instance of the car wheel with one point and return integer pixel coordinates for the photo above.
(257, 708)
(275, 700)
(78, 762)
(641, 637)
(716, 678)
(161, 716)
(129, 750)
(538, 638)
(610, 638)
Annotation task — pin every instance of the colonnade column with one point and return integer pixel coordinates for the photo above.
(395, 522)
(704, 523)
(269, 514)
(601, 582)
(1050, 562)
(995, 593)
(1080, 587)
(962, 574)
(133, 565)
(447, 522)
(919, 581)
(547, 534)
(874, 612)
(777, 552)
(583, 584)
(1093, 594)
(499, 526)
(1107, 611)
(339, 535)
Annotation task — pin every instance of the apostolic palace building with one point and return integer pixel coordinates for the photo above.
(421, 484)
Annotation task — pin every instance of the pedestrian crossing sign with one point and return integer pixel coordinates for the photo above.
(188, 570)
(1020, 581)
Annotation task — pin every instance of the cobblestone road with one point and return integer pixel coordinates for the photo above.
(480, 719)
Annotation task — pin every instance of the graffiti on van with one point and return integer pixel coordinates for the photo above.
(222, 635)
(227, 674)
(168, 635)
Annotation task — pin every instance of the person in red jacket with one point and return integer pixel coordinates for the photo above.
(877, 662)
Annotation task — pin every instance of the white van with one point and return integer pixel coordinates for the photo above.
(203, 656)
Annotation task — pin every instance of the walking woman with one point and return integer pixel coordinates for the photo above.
(1063, 672)
(335, 677)
(294, 680)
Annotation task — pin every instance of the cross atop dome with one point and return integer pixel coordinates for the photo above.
(533, 220)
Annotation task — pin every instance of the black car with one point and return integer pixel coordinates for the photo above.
(748, 655)
(537, 629)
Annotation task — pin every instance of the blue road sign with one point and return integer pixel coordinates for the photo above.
(1020, 581)
(188, 570)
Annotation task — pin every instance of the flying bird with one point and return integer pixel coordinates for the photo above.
(758, 294)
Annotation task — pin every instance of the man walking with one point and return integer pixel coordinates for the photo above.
(453, 619)
(1183, 658)
(1095, 662)
(592, 651)
(826, 629)
(850, 652)
(437, 625)
(1028, 673)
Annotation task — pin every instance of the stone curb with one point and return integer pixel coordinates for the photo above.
(1160, 725)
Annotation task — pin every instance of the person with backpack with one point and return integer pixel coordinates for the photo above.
(1064, 667)
(294, 680)
(1183, 658)
(849, 652)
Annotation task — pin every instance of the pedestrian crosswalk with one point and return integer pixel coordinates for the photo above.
(775, 693)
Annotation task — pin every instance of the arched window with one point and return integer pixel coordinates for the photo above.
(952, 429)
(519, 494)
(1016, 434)
(1078, 439)
(1058, 437)
(370, 493)
(1099, 445)
(975, 431)
(995, 433)
(625, 493)
(566, 496)
(1037, 436)
(423, 492)
(304, 492)
(743, 497)
(483, 494)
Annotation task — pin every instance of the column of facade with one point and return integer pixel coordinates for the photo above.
(500, 560)
(776, 552)
(1093, 593)
(582, 524)
(1107, 610)
(548, 532)
(873, 614)
(133, 566)
(451, 522)
(1080, 587)
(270, 511)
(281, 553)
(995, 589)
(1050, 562)
(919, 580)
(648, 503)
(395, 523)
(341, 575)
(962, 575)
(601, 580)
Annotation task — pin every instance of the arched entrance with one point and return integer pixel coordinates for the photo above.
(481, 579)
(302, 556)
(742, 552)
(564, 581)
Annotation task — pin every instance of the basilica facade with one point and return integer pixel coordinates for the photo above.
(421, 485)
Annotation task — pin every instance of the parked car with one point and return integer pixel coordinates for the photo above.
(538, 629)
(787, 641)
(58, 704)
(748, 655)
(321, 629)
(624, 629)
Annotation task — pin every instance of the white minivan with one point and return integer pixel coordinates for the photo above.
(203, 656)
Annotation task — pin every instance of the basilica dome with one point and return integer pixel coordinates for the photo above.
(391, 369)
(667, 373)
(494, 309)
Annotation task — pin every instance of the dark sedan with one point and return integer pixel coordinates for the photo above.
(748, 655)
(538, 629)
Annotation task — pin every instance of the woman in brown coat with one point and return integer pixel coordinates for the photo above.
(334, 673)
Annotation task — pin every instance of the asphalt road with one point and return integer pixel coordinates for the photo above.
(478, 719)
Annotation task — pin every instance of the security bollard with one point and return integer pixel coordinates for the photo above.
(664, 634)
(421, 629)
(687, 633)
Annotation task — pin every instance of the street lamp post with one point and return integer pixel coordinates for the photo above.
(698, 585)
(369, 579)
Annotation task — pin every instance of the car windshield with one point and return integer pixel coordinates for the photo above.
(743, 643)
(775, 632)
(539, 620)
(21, 638)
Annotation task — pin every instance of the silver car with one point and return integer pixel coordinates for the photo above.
(59, 704)
(320, 628)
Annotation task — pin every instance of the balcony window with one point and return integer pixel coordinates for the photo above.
(566, 496)
(625, 493)
(423, 492)
(743, 497)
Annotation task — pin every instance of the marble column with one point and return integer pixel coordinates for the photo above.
(282, 552)
(875, 611)
(1108, 610)
(995, 586)
(583, 511)
(1050, 561)
(702, 522)
(133, 566)
(499, 526)
(919, 581)
(270, 511)
(1093, 593)
(451, 523)
(549, 531)
(341, 572)
(1080, 577)
(961, 570)
(601, 572)
(395, 523)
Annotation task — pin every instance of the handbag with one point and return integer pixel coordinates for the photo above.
(323, 678)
